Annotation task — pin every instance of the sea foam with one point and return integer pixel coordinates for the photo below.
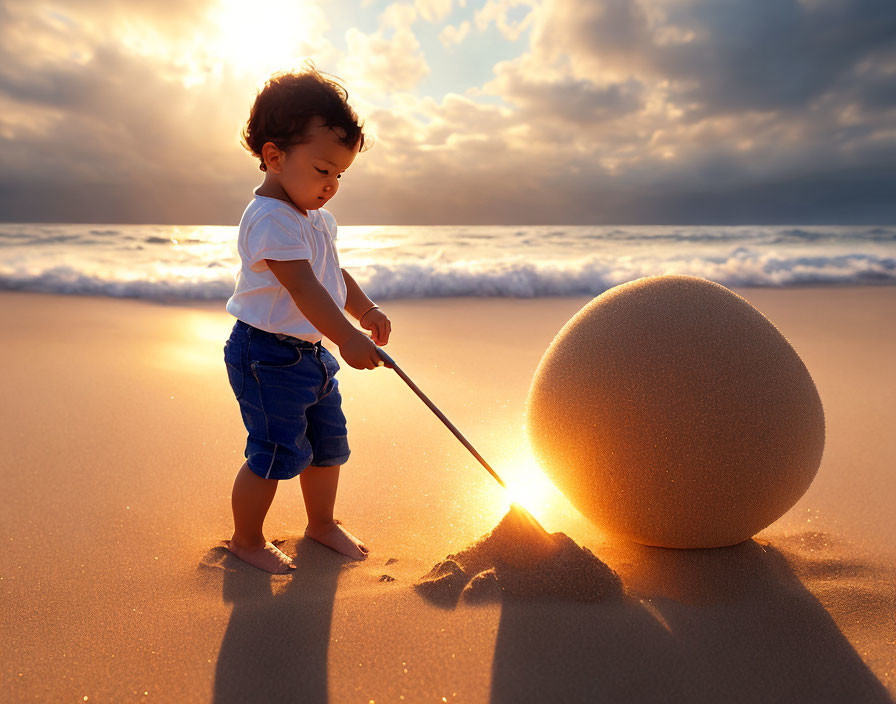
(200, 263)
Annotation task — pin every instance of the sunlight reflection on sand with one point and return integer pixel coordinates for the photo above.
(199, 346)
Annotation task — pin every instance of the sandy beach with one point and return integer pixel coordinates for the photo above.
(121, 440)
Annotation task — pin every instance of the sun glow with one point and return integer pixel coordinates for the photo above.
(529, 487)
(239, 39)
(266, 36)
(236, 38)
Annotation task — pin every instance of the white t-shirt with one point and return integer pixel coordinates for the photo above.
(273, 229)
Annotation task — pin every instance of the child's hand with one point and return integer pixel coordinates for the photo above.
(359, 352)
(379, 325)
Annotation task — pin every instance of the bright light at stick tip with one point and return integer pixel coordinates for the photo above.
(528, 486)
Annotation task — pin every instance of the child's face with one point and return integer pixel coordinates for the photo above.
(309, 172)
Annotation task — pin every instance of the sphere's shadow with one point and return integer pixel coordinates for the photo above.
(724, 625)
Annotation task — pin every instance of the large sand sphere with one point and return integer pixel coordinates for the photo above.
(673, 413)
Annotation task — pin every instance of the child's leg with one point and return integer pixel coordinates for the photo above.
(251, 498)
(319, 486)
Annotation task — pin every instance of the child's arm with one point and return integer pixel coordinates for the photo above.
(366, 311)
(318, 306)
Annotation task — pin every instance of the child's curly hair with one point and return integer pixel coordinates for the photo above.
(287, 104)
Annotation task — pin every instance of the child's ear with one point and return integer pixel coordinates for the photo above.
(272, 157)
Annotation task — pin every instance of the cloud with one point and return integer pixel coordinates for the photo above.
(635, 111)
(433, 10)
(501, 14)
(565, 98)
(594, 35)
(454, 35)
(666, 110)
(721, 55)
(113, 135)
(389, 59)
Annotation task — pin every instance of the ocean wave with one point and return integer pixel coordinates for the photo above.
(67, 280)
(742, 267)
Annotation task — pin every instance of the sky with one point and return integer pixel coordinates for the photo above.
(505, 112)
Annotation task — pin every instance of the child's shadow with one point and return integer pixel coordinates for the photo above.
(275, 645)
(725, 625)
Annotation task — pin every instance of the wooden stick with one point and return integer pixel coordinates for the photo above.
(441, 416)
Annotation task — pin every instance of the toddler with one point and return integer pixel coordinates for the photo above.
(290, 292)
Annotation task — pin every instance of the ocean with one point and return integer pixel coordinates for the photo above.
(169, 262)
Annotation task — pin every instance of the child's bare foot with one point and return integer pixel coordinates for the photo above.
(268, 557)
(334, 536)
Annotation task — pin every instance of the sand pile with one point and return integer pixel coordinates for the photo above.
(520, 559)
(673, 413)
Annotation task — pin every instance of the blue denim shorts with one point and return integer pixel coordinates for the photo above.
(289, 399)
